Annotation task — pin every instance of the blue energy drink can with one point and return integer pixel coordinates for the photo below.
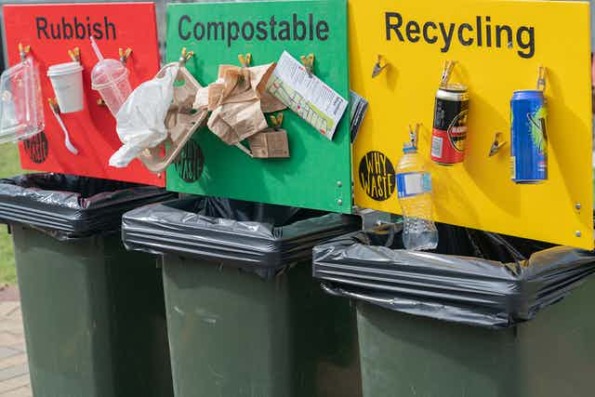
(528, 136)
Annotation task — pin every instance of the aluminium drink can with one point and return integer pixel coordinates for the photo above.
(528, 136)
(450, 124)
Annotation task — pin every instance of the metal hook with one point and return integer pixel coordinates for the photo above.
(447, 72)
(498, 144)
(308, 62)
(75, 54)
(378, 67)
(24, 51)
(124, 54)
(541, 78)
(185, 56)
(414, 134)
(277, 121)
(245, 60)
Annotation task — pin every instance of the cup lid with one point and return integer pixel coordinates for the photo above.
(64, 68)
(107, 72)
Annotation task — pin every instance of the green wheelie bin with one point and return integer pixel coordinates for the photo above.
(245, 317)
(93, 312)
(485, 315)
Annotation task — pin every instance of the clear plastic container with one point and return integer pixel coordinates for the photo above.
(414, 189)
(21, 106)
(110, 78)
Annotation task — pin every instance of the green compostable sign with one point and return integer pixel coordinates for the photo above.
(318, 172)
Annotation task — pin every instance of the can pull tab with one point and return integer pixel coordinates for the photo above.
(541, 78)
(447, 72)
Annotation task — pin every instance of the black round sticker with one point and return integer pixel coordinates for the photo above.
(377, 176)
(190, 162)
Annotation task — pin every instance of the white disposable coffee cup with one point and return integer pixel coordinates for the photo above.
(67, 80)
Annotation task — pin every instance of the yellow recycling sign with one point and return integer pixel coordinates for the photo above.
(398, 52)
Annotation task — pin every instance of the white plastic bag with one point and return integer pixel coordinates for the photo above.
(141, 119)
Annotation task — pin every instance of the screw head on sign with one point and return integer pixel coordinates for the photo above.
(339, 202)
(578, 233)
(578, 206)
(339, 184)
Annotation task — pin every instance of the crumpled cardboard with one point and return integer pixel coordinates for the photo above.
(269, 144)
(181, 122)
(238, 101)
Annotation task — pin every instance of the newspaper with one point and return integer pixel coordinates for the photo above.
(307, 95)
(359, 106)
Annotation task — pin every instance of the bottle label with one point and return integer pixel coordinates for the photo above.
(437, 143)
(413, 183)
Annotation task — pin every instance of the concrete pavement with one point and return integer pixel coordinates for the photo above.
(14, 371)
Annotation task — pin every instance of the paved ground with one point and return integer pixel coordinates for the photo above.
(14, 372)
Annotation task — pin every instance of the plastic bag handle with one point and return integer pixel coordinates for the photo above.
(168, 66)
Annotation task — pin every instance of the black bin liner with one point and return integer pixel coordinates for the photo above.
(257, 237)
(473, 277)
(67, 206)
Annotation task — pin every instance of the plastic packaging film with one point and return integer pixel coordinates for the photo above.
(474, 277)
(68, 206)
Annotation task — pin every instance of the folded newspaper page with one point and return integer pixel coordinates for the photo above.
(359, 106)
(307, 95)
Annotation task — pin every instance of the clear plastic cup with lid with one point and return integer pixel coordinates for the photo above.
(110, 78)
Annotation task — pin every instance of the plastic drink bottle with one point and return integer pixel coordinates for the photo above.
(414, 189)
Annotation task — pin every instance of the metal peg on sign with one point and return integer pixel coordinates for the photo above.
(24, 51)
(497, 144)
(276, 121)
(124, 54)
(308, 62)
(75, 54)
(447, 72)
(245, 60)
(379, 66)
(541, 78)
(185, 56)
(414, 134)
